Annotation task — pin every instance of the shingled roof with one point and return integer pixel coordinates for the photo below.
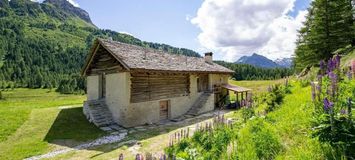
(134, 57)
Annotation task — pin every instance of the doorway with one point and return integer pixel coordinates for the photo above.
(164, 110)
(102, 83)
(202, 83)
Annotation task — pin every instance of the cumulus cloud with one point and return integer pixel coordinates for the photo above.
(234, 28)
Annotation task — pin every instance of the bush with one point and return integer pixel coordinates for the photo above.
(274, 98)
(305, 82)
(247, 113)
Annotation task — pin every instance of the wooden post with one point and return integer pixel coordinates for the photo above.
(237, 99)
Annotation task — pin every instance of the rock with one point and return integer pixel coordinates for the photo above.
(142, 129)
(123, 131)
(132, 131)
(116, 127)
(106, 129)
(115, 133)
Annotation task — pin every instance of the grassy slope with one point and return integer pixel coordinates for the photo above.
(291, 124)
(32, 118)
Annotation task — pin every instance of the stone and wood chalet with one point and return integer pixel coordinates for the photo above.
(131, 85)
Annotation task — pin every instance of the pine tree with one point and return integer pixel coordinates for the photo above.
(328, 27)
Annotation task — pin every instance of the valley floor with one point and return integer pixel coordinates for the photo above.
(45, 127)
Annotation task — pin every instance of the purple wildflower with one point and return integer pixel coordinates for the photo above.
(321, 65)
(327, 104)
(337, 60)
(333, 77)
(138, 157)
(349, 75)
(330, 66)
(163, 157)
(343, 111)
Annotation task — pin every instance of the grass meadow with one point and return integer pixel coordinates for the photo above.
(35, 122)
(31, 118)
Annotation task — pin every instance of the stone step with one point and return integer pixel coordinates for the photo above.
(195, 108)
(99, 113)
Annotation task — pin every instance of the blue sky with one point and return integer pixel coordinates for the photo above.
(170, 22)
(155, 20)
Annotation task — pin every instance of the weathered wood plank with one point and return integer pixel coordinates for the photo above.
(148, 86)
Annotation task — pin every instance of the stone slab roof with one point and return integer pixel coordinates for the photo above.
(140, 58)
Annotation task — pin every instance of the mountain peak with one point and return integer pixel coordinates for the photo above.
(70, 8)
(284, 62)
(257, 60)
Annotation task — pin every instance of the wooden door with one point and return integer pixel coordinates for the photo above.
(202, 83)
(164, 110)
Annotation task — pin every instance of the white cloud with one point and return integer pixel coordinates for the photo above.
(124, 32)
(73, 3)
(70, 1)
(234, 28)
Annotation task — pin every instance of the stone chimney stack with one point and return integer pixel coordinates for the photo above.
(208, 57)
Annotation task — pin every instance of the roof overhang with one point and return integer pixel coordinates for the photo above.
(236, 88)
(92, 53)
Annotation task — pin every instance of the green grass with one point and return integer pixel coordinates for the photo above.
(31, 122)
(291, 123)
(257, 86)
(39, 126)
(18, 104)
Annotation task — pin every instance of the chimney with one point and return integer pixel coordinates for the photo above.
(208, 57)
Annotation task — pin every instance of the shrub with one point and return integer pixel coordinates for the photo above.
(274, 98)
(247, 113)
(305, 82)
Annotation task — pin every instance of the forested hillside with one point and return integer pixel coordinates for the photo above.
(329, 29)
(250, 72)
(45, 44)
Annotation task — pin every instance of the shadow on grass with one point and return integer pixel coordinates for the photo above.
(71, 128)
(72, 125)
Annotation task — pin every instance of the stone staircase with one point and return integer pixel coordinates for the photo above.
(97, 112)
(196, 107)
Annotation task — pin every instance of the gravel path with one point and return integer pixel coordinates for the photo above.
(98, 142)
